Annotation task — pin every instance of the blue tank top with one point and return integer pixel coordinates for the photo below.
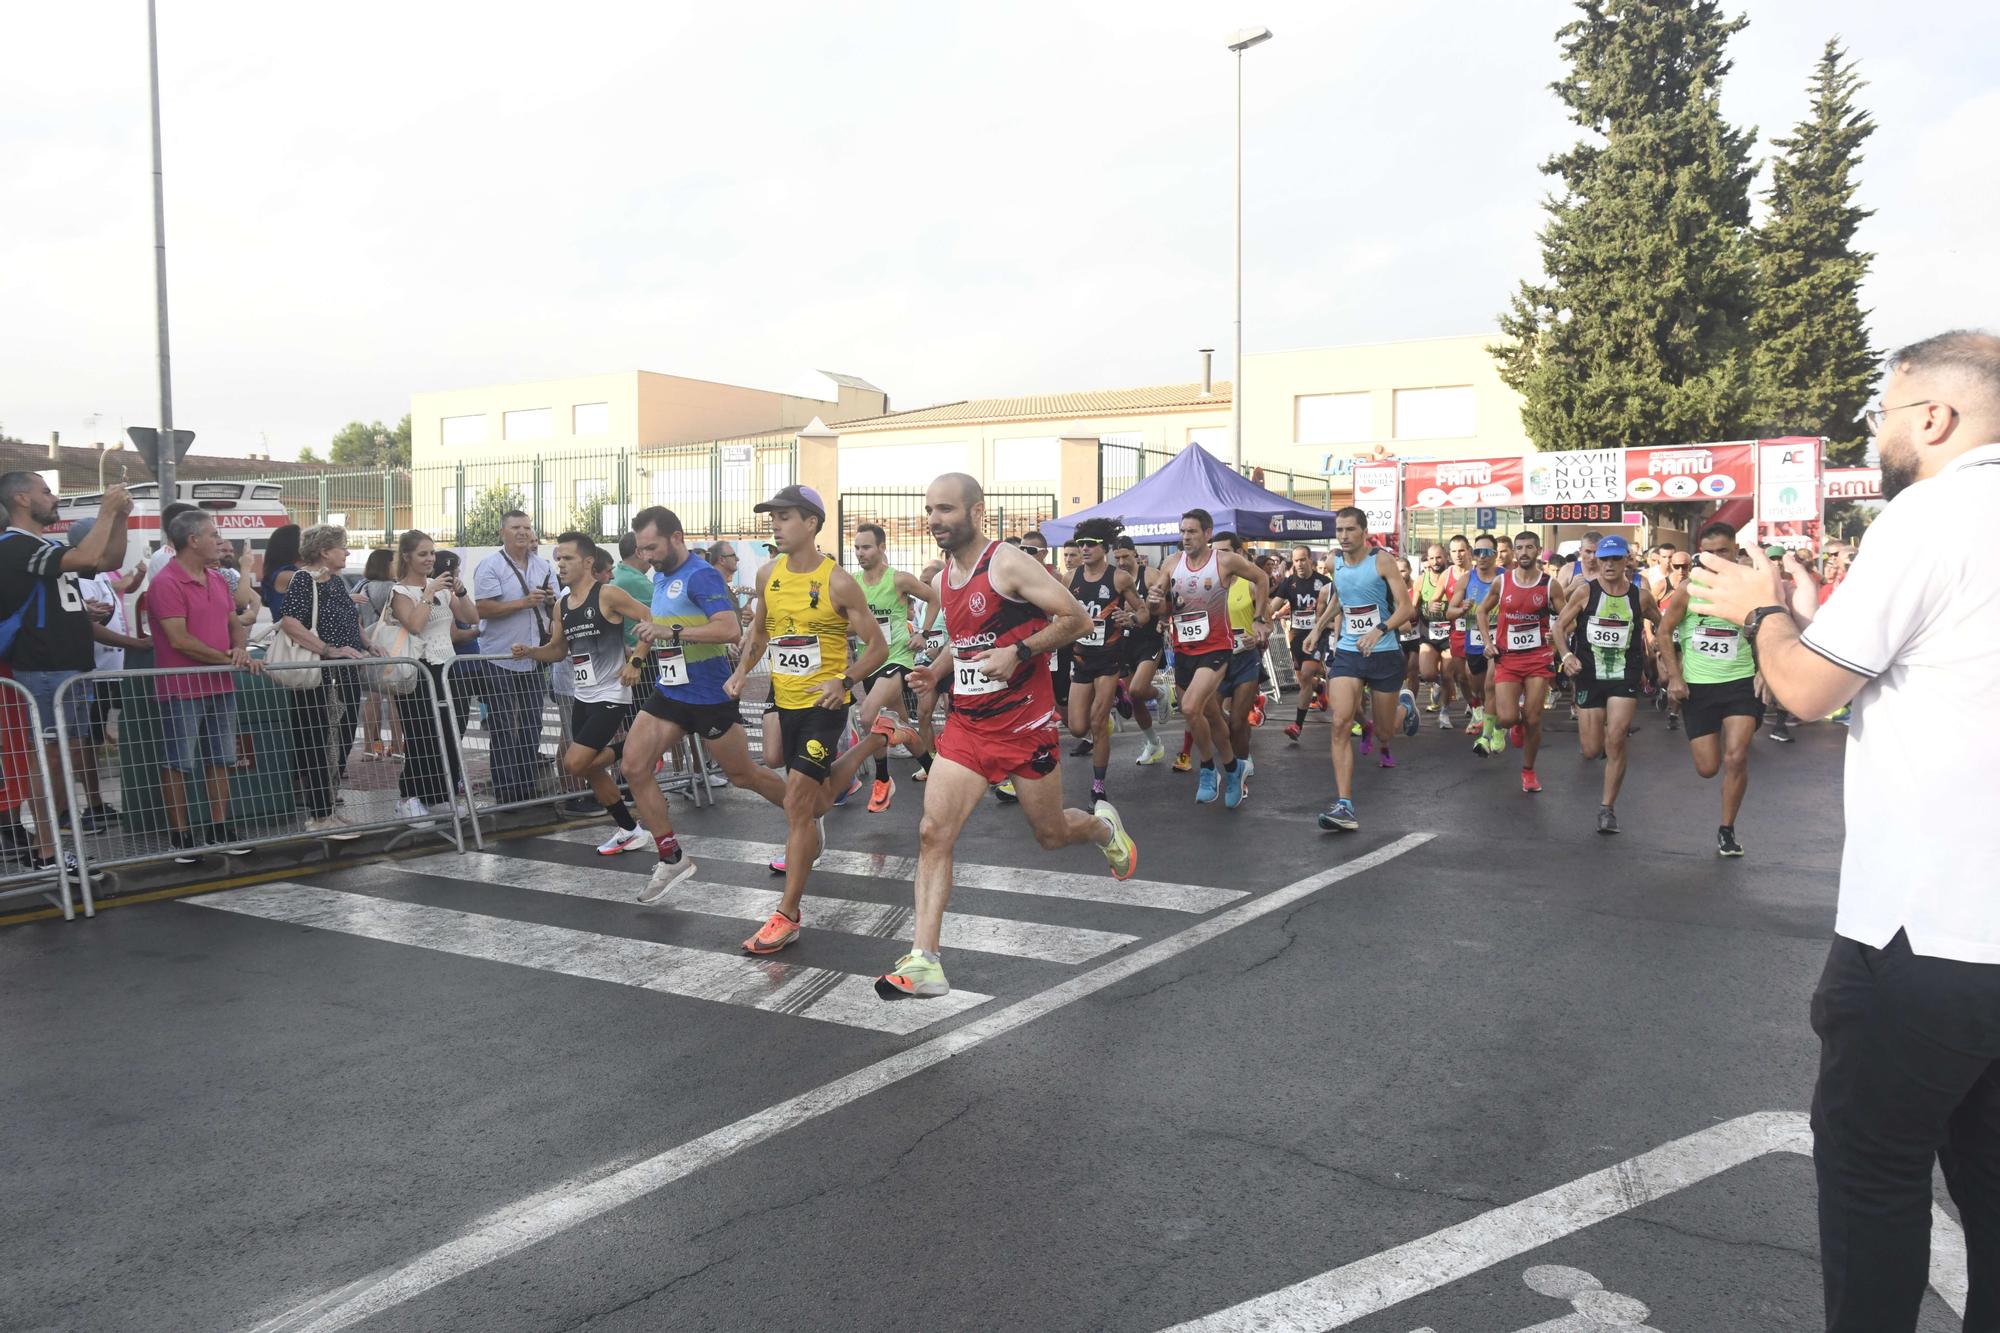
(1475, 593)
(1364, 604)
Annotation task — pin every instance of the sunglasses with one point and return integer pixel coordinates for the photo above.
(1484, 551)
(1035, 550)
(1088, 541)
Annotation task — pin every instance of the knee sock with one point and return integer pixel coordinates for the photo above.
(621, 815)
(925, 759)
(1302, 717)
(882, 767)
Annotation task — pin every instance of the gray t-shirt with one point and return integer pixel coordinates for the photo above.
(499, 578)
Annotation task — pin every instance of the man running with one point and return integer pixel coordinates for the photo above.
(1434, 589)
(1295, 603)
(888, 593)
(1242, 685)
(1602, 630)
(1371, 602)
(1711, 675)
(1192, 596)
(1144, 651)
(1514, 618)
(1004, 613)
(1468, 639)
(1102, 589)
(806, 607)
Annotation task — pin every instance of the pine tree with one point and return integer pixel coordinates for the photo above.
(1638, 333)
(1812, 368)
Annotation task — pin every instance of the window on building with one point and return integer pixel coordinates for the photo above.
(1332, 418)
(1215, 439)
(533, 423)
(464, 430)
(1434, 414)
(590, 419)
(1026, 460)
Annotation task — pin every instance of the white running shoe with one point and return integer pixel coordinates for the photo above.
(1444, 719)
(1150, 753)
(412, 809)
(665, 875)
(624, 840)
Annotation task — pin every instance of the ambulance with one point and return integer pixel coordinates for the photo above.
(244, 511)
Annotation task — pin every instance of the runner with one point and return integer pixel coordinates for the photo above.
(1712, 675)
(1145, 650)
(806, 607)
(1371, 602)
(1409, 638)
(888, 593)
(1102, 589)
(1242, 684)
(1295, 602)
(1434, 589)
(1601, 626)
(589, 636)
(1522, 671)
(1193, 597)
(1004, 614)
(1468, 639)
(931, 646)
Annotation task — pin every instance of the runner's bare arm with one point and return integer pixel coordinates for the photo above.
(853, 604)
(909, 585)
(1024, 578)
(553, 650)
(753, 648)
(1329, 611)
(1572, 604)
(1484, 611)
(1670, 657)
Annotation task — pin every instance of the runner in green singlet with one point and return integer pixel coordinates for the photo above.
(1602, 629)
(889, 593)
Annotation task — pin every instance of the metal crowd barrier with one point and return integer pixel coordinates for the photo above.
(26, 762)
(284, 763)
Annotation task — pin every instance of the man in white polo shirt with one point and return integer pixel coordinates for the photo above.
(1908, 1008)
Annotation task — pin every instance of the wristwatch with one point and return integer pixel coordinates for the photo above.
(1023, 651)
(1756, 618)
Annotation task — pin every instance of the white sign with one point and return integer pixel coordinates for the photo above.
(1378, 494)
(1581, 476)
(1787, 483)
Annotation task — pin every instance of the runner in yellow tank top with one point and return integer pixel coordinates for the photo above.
(808, 632)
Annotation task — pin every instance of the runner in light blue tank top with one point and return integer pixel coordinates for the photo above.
(1359, 588)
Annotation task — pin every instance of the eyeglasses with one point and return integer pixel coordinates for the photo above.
(1035, 550)
(1873, 416)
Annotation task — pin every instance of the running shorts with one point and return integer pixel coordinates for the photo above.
(810, 738)
(1594, 693)
(889, 672)
(1514, 668)
(1384, 671)
(1144, 645)
(1475, 663)
(1409, 646)
(1243, 669)
(1086, 666)
(999, 756)
(707, 721)
(1707, 705)
(1297, 643)
(595, 726)
(1185, 665)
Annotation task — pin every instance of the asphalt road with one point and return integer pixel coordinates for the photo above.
(265, 1105)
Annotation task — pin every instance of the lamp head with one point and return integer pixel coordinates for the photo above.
(1244, 38)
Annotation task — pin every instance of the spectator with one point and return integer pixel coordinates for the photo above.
(636, 582)
(52, 642)
(467, 672)
(112, 638)
(319, 617)
(378, 714)
(515, 589)
(723, 556)
(425, 603)
(243, 599)
(194, 616)
(281, 561)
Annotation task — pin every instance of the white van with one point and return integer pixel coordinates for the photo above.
(245, 511)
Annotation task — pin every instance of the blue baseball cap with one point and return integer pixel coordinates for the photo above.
(1612, 548)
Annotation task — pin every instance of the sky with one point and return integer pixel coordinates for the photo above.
(951, 200)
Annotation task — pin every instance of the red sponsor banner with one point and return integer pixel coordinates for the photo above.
(1680, 474)
(1853, 483)
(1690, 472)
(1464, 483)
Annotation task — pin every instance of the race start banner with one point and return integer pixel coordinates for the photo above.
(1585, 476)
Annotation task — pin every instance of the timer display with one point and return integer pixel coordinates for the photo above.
(1571, 513)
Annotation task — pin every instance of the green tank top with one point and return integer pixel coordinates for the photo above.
(1607, 635)
(892, 613)
(1712, 651)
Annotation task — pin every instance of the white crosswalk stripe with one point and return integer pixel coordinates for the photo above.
(758, 983)
(980, 934)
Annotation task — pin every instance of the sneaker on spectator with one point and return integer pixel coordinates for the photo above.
(332, 826)
(412, 809)
(183, 845)
(226, 840)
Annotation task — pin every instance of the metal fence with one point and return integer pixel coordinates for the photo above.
(901, 515)
(711, 486)
(28, 803)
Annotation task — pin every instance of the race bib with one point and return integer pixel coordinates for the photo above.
(1462, 625)
(1437, 631)
(1473, 638)
(1609, 634)
(1239, 642)
(1409, 633)
(1524, 638)
(1714, 644)
(1190, 627)
(795, 655)
(1094, 639)
(882, 619)
(966, 678)
(1303, 620)
(671, 663)
(1356, 621)
(583, 670)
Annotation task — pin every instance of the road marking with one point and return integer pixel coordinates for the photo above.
(557, 1210)
(1342, 1295)
(1098, 888)
(699, 974)
(979, 934)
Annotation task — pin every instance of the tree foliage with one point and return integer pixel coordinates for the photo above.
(481, 524)
(1813, 368)
(371, 445)
(1637, 333)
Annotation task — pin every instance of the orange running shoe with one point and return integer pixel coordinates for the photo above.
(773, 935)
(1529, 782)
(885, 725)
(878, 799)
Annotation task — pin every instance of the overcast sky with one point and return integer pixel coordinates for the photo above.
(950, 199)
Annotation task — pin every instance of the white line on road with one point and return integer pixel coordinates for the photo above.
(979, 934)
(555, 1211)
(1342, 1295)
(700, 974)
(1098, 888)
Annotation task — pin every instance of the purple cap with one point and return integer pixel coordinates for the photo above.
(795, 497)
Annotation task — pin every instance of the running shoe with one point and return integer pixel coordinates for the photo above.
(852, 788)
(1529, 782)
(624, 840)
(1444, 719)
(1181, 761)
(1256, 714)
(226, 839)
(1293, 732)
(1362, 729)
(1406, 713)
(878, 798)
(1367, 743)
(1607, 819)
(1339, 817)
(884, 725)
(1517, 735)
(773, 935)
(1150, 753)
(1782, 732)
(1388, 760)
(183, 845)
(1122, 701)
(1121, 851)
(1082, 747)
(1232, 785)
(1725, 842)
(914, 977)
(1004, 793)
(665, 875)
(1206, 789)
(1673, 721)
(1431, 704)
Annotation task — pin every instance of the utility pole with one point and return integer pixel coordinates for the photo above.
(168, 455)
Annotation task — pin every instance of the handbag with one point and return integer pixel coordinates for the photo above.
(392, 677)
(286, 649)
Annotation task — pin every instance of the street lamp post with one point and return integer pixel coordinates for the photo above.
(168, 454)
(1240, 41)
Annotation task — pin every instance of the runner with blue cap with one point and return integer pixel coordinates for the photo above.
(1604, 642)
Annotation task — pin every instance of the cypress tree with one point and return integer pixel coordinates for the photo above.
(1812, 368)
(1638, 332)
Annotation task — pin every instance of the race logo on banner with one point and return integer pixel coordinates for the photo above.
(1788, 512)
(1582, 476)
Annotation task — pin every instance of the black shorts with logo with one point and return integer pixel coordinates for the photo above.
(1144, 645)
(810, 739)
(1088, 664)
(595, 726)
(1593, 693)
(1707, 705)
(1185, 665)
(889, 672)
(707, 721)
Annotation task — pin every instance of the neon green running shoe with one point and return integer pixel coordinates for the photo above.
(1121, 851)
(914, 977)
